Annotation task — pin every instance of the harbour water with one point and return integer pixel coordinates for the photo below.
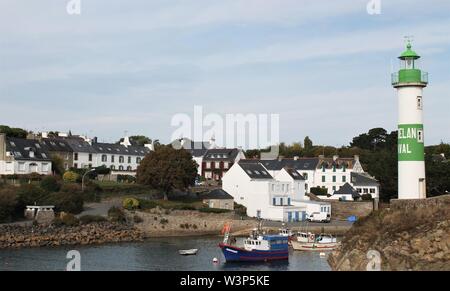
(158, 254)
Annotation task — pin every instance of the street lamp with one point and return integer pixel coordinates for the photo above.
(82, 179)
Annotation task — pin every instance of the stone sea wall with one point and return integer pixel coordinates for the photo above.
(14, 236)
(159, 222)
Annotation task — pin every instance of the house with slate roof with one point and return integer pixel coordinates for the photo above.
(346, 193)
(218, 198)
(81, 152)
(329, 173)
(280, 198)
(216, 162)
(213, 162)
(23, 156)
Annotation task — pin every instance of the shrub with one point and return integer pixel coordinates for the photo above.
(147, 204)
(8, 203)
(71, 177)
(318, 191)
(50, 184)
(184, 207)
(240, 210)
(67, 202)
(116, 214)
(66, 219)
(366, 197)
(86, 219)
(130, 203)
(30, 194)
(126, 179)
(70, 188)
(213, 210)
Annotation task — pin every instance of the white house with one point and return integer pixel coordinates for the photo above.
(122, 158)
(328, 173)
(23, 156)
(280, 198)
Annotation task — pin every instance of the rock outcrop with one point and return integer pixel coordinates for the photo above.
(411, 235)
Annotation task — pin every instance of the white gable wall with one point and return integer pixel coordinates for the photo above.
(298, 186)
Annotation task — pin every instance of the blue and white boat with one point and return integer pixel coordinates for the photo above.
(256, 248)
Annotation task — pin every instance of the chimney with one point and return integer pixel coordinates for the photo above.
(296, 158)
(44, 134)
(94, 140)
(335, 157)
(280, 158)
(356, 157)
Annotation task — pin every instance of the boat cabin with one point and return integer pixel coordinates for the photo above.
(266, 243)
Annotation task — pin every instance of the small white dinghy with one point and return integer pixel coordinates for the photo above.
(188, 252)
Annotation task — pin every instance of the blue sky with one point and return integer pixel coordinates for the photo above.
(324, 66)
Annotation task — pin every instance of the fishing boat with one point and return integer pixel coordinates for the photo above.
(307, 241)
(257, 247)
(285, 232)
(189, 252)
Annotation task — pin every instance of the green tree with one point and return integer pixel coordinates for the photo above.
(8, 203)
(140, 140)
(167, 169)
(50, 184)
(307, 143)
(13, 132)
(58, 165)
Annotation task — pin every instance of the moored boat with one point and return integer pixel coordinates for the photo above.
(311, 242)
(189, 252)
(257, 247)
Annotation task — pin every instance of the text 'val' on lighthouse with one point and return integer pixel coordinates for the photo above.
(409, 82)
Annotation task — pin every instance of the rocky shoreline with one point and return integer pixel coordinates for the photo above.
(411, 235)
(13, 236)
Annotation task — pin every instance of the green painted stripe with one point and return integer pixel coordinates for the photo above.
(410, 142)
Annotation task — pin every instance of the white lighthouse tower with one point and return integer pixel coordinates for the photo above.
(409, 82)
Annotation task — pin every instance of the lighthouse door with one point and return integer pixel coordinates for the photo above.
(422, 188)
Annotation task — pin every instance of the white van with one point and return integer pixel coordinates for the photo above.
(319, 217)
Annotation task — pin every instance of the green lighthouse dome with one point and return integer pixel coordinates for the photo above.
(409, 73)
(409, 53)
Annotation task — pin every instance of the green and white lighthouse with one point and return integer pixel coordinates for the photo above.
(409, 82)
